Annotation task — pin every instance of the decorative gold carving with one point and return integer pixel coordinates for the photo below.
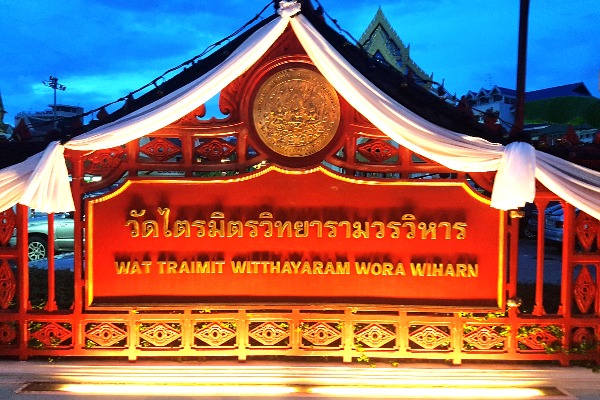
(321, 334)
(484, 338)
(106, 334)
(374, 335)
(215, 334)
(430, 337)
(269, 333)
(160, 334)
(296, 112)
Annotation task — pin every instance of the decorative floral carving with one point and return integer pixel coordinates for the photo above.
(584, 290)
(587, 229)
(52, 334)
(106, 334)
(215, 334)
(583, 336)
(8, 221)
(377, 150)
(430, 337)
(8, 333)
(8, 285)
(374, 335)
(484, 338)
(321, 334)
(269, 333)
(229, 99)
(215, 149)
(537, 338)
(191, 119)
(160, 334)
(102, 162)
(159, 149)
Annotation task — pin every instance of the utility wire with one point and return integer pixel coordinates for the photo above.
(189, 62)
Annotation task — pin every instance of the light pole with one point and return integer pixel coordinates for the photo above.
(53, 83)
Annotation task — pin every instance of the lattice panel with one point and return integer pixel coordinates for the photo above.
(160, 149)
(103, 162)
(8, 221)
(484, 337)
(429, 337)
(375, 335)
(160, 335)
(49, 334)
(320, 334)
(584, 290)
(106, 335)
(8, 285)
(215, 334)
(587, 229)
(269, 333)
(532, 337)
(8, 333)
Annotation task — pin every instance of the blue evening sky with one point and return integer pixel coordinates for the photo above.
(104, 49)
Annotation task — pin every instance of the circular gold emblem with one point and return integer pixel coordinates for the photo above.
(296, 112)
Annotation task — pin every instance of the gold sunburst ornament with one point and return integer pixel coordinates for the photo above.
(296, 112)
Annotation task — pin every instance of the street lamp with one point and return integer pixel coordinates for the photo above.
(53, 83)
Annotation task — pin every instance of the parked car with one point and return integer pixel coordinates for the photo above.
(554, 218)
(64, 235)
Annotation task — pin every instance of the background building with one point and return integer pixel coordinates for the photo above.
(565, 104)
(5, 129)
(41, 123)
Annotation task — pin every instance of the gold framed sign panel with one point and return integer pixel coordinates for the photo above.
(313, 237)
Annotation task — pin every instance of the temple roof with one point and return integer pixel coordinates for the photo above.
(399, 86)
(381, 41)
(573, 89)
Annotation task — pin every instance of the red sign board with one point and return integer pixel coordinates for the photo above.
(294, 237)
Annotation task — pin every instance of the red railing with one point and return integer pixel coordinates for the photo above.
(42, 312)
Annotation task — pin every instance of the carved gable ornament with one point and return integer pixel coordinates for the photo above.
(296, 112)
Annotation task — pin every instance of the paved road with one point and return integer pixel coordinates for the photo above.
(234, 381)
(528, 260)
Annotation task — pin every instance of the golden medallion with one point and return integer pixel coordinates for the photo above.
(296, 112)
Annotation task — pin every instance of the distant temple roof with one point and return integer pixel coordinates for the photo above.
(5, 129)
(573, 89)
(382, 42)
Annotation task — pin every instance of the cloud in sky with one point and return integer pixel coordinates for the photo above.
(104, 49)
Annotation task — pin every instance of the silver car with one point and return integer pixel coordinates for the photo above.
(553, 223)
(64, 229)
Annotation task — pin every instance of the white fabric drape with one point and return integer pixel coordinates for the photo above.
(42, 180)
